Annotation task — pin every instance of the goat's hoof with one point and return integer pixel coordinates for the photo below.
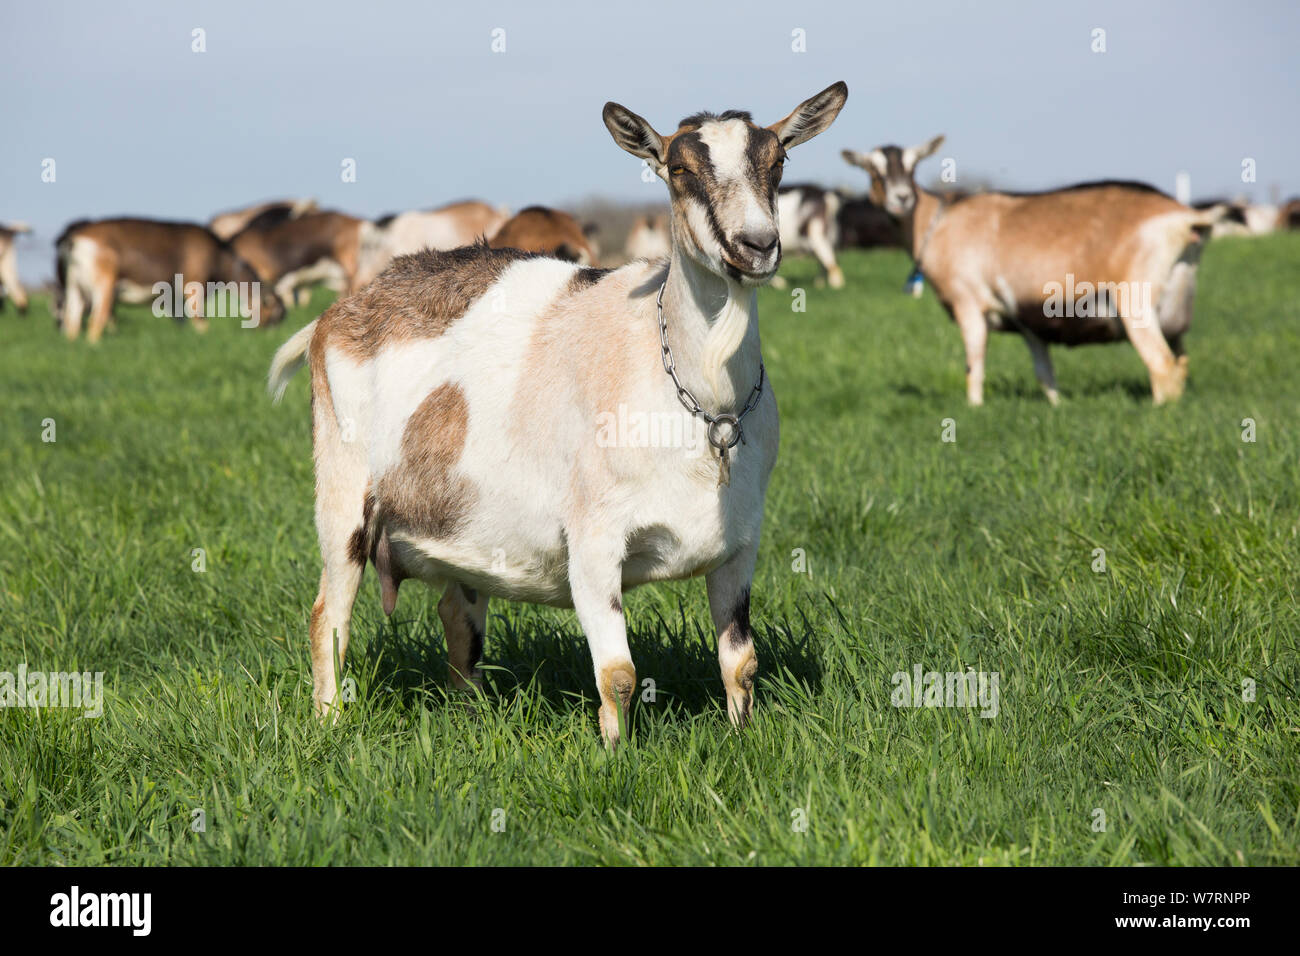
(617, 683)
(740, 703)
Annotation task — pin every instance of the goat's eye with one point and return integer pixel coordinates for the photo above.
(678, 170)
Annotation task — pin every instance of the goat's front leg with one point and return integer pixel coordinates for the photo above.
(728, 588)
(596, 583)
(822, 248)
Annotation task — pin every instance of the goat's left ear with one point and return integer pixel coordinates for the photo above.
(811, 116)
(928, 148)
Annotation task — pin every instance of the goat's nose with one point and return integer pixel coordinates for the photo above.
(761, 243)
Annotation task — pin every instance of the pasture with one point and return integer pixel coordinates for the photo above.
(1121, 691)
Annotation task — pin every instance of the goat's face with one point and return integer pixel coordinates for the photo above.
(271, 308)
(893, 181)
(722, 173)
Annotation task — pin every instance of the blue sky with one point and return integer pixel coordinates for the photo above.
(138, 123)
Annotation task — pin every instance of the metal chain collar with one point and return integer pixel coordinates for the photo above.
(692, 405)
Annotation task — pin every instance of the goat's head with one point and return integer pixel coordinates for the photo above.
(270, 309)
(722, 173)
(893, 182)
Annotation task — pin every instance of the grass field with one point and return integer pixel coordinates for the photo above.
(1120, 691)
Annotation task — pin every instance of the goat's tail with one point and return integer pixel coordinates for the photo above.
(288, 359)
(1204, 218)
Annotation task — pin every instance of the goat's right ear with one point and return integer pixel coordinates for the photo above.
(635, 135)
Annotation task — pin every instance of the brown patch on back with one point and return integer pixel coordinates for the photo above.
(419, 296)
(423, 493)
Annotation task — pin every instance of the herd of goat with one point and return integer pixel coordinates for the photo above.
(983, 252)
(469, 389)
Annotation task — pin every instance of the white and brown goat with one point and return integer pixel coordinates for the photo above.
(100, 262)
(809, 225)
(10, 285)
(467, 409)
(1096, 262)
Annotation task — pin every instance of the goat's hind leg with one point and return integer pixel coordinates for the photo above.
(1043, 366)
(341, 525)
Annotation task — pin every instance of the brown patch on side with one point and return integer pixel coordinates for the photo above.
(417, 297)
(423, 493)
(616, 605)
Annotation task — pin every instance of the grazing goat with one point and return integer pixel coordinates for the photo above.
(477, 418)
(548, 231)
(289, 254)
(9, 283)
(456, 224)
(649, 238)
(1096, 262)
(130, 259)
(1288, 217)
(809, 225)
(227, 224)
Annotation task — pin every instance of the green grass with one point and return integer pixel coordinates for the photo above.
(1120, 691)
